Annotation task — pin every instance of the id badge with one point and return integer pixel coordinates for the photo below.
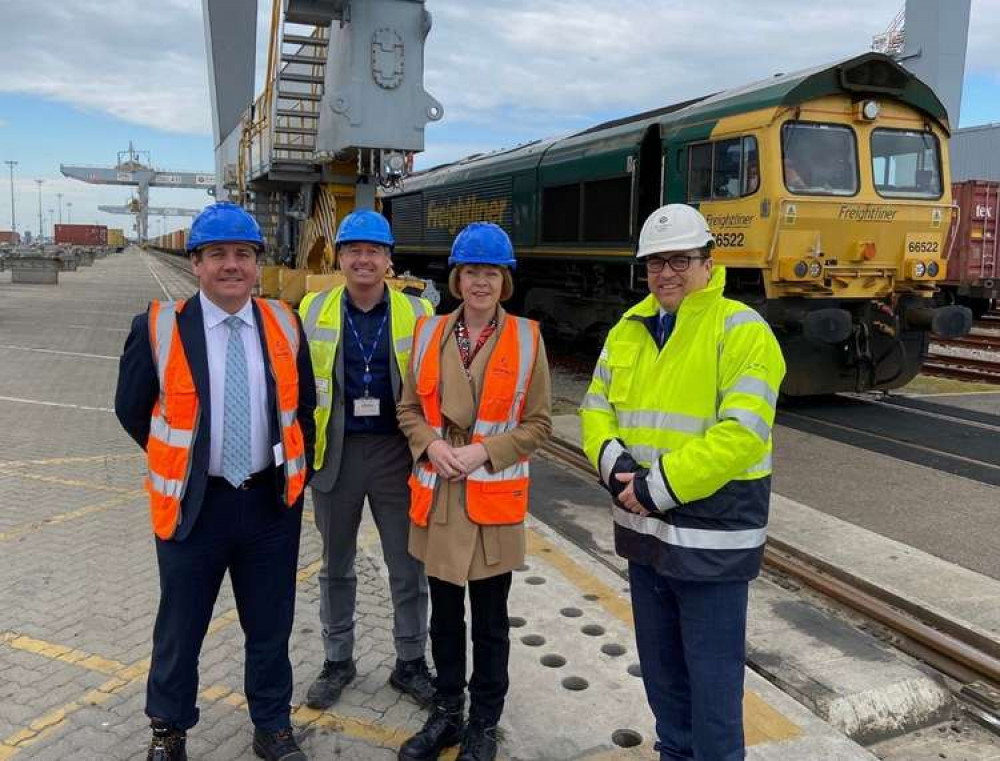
(367, 406)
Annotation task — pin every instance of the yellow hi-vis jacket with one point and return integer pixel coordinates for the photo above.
(321, 320)
(698, 414)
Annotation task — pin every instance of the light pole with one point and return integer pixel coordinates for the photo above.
(59, 196)
(52, 224)
(13, 222)
(39, 208)
(69, 212)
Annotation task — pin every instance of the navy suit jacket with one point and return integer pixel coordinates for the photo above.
(139, 387)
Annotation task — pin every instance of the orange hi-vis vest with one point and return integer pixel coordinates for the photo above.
(177, 412)
(491, 499)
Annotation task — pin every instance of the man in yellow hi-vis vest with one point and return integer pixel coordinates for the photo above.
(360, 336)
(677, 421)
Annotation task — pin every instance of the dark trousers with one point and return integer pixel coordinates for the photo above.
(691, 637)
(375, 466)
(257, 540)
(490, 643)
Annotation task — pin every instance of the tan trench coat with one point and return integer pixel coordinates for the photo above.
(452, 547)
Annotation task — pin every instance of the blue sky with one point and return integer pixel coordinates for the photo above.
(506, 71)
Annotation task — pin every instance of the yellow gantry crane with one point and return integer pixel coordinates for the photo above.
(341, 113)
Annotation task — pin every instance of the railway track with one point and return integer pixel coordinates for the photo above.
(961, 367)
(966, 656)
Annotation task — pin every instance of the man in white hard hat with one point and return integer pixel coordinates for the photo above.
(677, 421)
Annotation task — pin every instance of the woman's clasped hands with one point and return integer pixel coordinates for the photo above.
(455, 463)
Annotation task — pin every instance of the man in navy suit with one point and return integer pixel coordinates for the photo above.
(227, 469)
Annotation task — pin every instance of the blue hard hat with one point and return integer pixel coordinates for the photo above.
(365, 226)
(483, 243)
(224, 222)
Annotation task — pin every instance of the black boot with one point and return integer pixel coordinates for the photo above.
(277, 746)
(479, 743)
(442, 729)
(414, 679)
(167, 744)
(325, 690)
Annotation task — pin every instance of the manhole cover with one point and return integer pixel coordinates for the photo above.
(553, 661)
(626, 738)
(571, 612)
(533, 640)
(613, 649)
(575, 683)
(592, 630)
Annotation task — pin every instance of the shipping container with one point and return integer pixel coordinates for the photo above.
(9, 236)
(82, 235)
(973, 277)
(116, 238)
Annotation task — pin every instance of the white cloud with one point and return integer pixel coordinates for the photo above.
(519, 68)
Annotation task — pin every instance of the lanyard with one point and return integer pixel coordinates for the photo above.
(367, 355)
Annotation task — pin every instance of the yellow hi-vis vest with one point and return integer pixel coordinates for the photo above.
(698, 414)
(321, 319)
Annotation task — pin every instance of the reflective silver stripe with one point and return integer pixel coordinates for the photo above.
(491, 429)
(658, 488)
(754, 387)
(609, 456)
(519, 469)
(166, 487)
(287, 418)
(313, 313)
(323, 334)
(670, 421)
(647, 454)
(404, 344)
(165, 328)
(286, 322)
(172, 437)
(750, 420)
(602, 373)
(425, 476)
(743, 317)
(763, 466)
(596, 402)
(417, 305)
(691, 538)
(423, 340)
(294, 466)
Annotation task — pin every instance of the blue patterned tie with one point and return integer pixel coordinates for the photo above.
(236, 409)
(666, 327)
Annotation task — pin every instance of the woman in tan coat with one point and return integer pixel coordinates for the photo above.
(470, 484)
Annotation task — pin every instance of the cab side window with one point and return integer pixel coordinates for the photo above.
(723, 169)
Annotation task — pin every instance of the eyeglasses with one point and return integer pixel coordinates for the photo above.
(679, 263)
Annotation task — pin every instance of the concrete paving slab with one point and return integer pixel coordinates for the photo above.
(78, 591)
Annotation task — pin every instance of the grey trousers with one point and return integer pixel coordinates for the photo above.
(377, 467)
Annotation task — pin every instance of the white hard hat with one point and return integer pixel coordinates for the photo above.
(674, 227)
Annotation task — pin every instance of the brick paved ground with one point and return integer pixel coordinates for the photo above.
(78, 582)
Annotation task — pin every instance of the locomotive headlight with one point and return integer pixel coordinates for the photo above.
(933, 268)
(919, 268)
(801, 269)
(870, 110)
(815, 269)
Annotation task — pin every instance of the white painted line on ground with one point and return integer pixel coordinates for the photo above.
(56, 351)
(95, 327)
(156, 277)
(54, 404)
(949, 393)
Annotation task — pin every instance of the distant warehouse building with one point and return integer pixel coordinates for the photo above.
(975, 153)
